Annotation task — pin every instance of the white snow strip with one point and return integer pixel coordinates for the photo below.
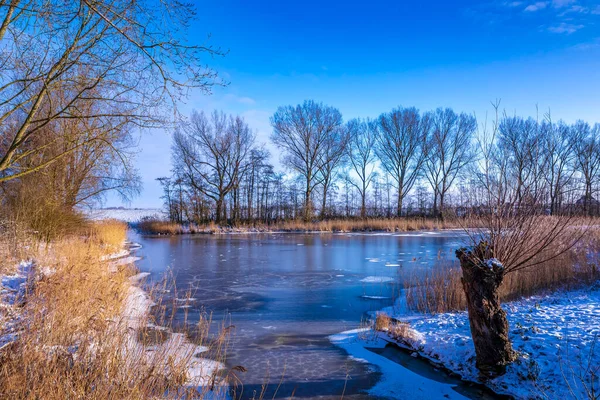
(113, 256)
(396, 381)
(377, 279)
(125, 261)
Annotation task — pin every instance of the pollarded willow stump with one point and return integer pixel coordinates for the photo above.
(482, 276)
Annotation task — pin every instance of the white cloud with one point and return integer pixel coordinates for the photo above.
(562, 3)
(594, 44)
(564, 28)
(239, 99)
(540, 5)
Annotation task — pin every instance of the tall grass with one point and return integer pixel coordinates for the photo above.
(440, 289)
(153, 226)
(110, 233)
(80, 329)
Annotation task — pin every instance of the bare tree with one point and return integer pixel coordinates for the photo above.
(447, 152)
(587, 159)
(520, 142)
(558, 144)
(304, 133)
(130, 58)
(211, 153)
(515, 235)
(400, 142)
(331, 158)
(361, 156)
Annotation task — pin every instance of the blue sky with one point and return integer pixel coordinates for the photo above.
(368, 57)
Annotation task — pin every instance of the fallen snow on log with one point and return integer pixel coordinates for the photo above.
(556, 337)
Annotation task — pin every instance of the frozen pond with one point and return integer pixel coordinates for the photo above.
(286, 293)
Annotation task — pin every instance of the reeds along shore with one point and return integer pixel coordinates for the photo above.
(68, 335)
(440, 289)
(162, 227)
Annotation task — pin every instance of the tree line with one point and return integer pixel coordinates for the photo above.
(404, 162)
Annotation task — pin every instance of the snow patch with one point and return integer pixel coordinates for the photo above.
(396, 381)
(377, 279)
(556, 337)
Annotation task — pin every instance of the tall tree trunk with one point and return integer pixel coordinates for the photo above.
(363, 204)
(219, 210)
(435, 203)
(307, 202)
(399, 209)
(587, 202)
(324, 202)
(482, 275)
(441, 209)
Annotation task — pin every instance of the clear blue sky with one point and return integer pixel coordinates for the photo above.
(368, 57)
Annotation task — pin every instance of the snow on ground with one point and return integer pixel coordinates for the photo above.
(119, 254)
(176, 348)
(556, 336)
(12, 289)
(129, 215)
(396, 381)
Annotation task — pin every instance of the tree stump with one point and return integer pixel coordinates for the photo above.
(482, 276)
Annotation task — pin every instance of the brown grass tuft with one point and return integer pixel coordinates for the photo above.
(76, 340)
(110, 232)
(397, 330)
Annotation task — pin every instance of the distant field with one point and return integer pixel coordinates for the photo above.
(126, 214)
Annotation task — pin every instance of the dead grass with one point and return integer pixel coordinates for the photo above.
(398, 330)
(110, 233)
(153, 226)
(158, 227)
(440, 289)
(77, 340)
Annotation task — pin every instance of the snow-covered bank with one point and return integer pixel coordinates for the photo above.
(556, 337)
(176, 349)
(397, 381)
(23, 287)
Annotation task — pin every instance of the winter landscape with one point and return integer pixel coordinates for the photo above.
(318, 200)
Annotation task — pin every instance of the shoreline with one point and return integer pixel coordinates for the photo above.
(334, 225)
(202, 372)
(553, 334)
(202, 375)
(251, 231)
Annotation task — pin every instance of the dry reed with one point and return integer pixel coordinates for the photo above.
(77, 334)
(440, 289)
(153, 226)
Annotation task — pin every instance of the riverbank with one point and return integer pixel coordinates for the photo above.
(163, 227)
(555, 335)
(74, 321)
